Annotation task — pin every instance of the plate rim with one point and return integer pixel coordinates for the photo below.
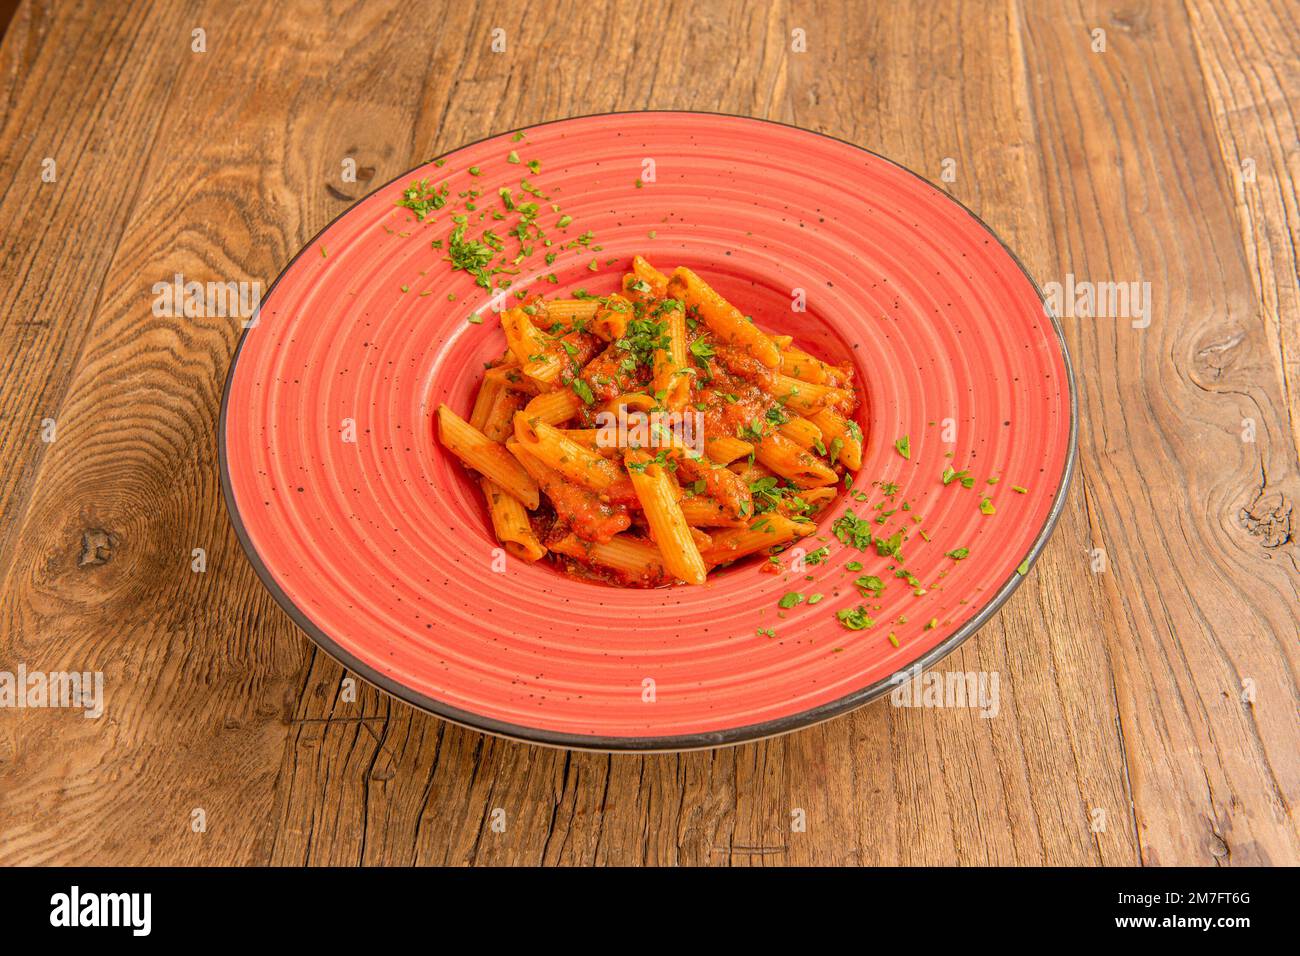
(671, 743)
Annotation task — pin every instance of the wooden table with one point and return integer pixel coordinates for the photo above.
(1148, 666)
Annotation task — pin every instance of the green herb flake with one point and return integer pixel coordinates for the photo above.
(904, 447)
(855, 619)
(789, 600)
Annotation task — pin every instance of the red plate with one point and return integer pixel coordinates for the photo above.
(380, 548)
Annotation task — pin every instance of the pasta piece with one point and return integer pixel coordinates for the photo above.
(764, 532)
(657, 493)
(648, 274)
(630, 556)
(611, 318)
(498, 415)
(725, 449)
(553, 408)
(588, 516)
(540, 356)
(808, 398)
(570, 313)
(488, 458)
(797, 363)
(835, 426)
(672, 379)
(510, 523)
(703, 541)
(510, 377)
(802, 432)
(632, 402)
(723, 486)
(793, 463)
(550, 446)
(750, 473)
(522, 337)
(724, 319)
(818, 497)
(485, 400)
(701, 512)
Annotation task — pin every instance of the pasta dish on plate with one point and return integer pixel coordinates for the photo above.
(646, 437)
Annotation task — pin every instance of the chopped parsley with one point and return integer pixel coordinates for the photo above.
(852, 530)
(422, 199)
(855, 619)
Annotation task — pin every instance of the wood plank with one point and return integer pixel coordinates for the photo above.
(203, 672)
(1199, 602)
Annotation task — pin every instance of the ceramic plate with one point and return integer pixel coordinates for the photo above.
(378, 544)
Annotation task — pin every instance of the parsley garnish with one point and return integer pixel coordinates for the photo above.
(855, 619)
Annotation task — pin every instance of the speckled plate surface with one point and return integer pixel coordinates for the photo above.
(377, 542)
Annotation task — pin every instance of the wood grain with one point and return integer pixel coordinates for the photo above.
(1122, 691)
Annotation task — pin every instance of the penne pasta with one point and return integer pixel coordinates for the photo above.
(550, 446)
(672, 379)
(630, 556)
(610, 319)
(656, 280)
(489, 458)
(701, 512)
(644, 437)
(724, 319)
(836, 428)
(807, 398)
(725, 449)
(764, 532)
(554, 408)
(657, 493)
(485, 400)
(510, 523)
(802, 432)
(788, 460)
(511, 378)
(570, 313)
(797, 363)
